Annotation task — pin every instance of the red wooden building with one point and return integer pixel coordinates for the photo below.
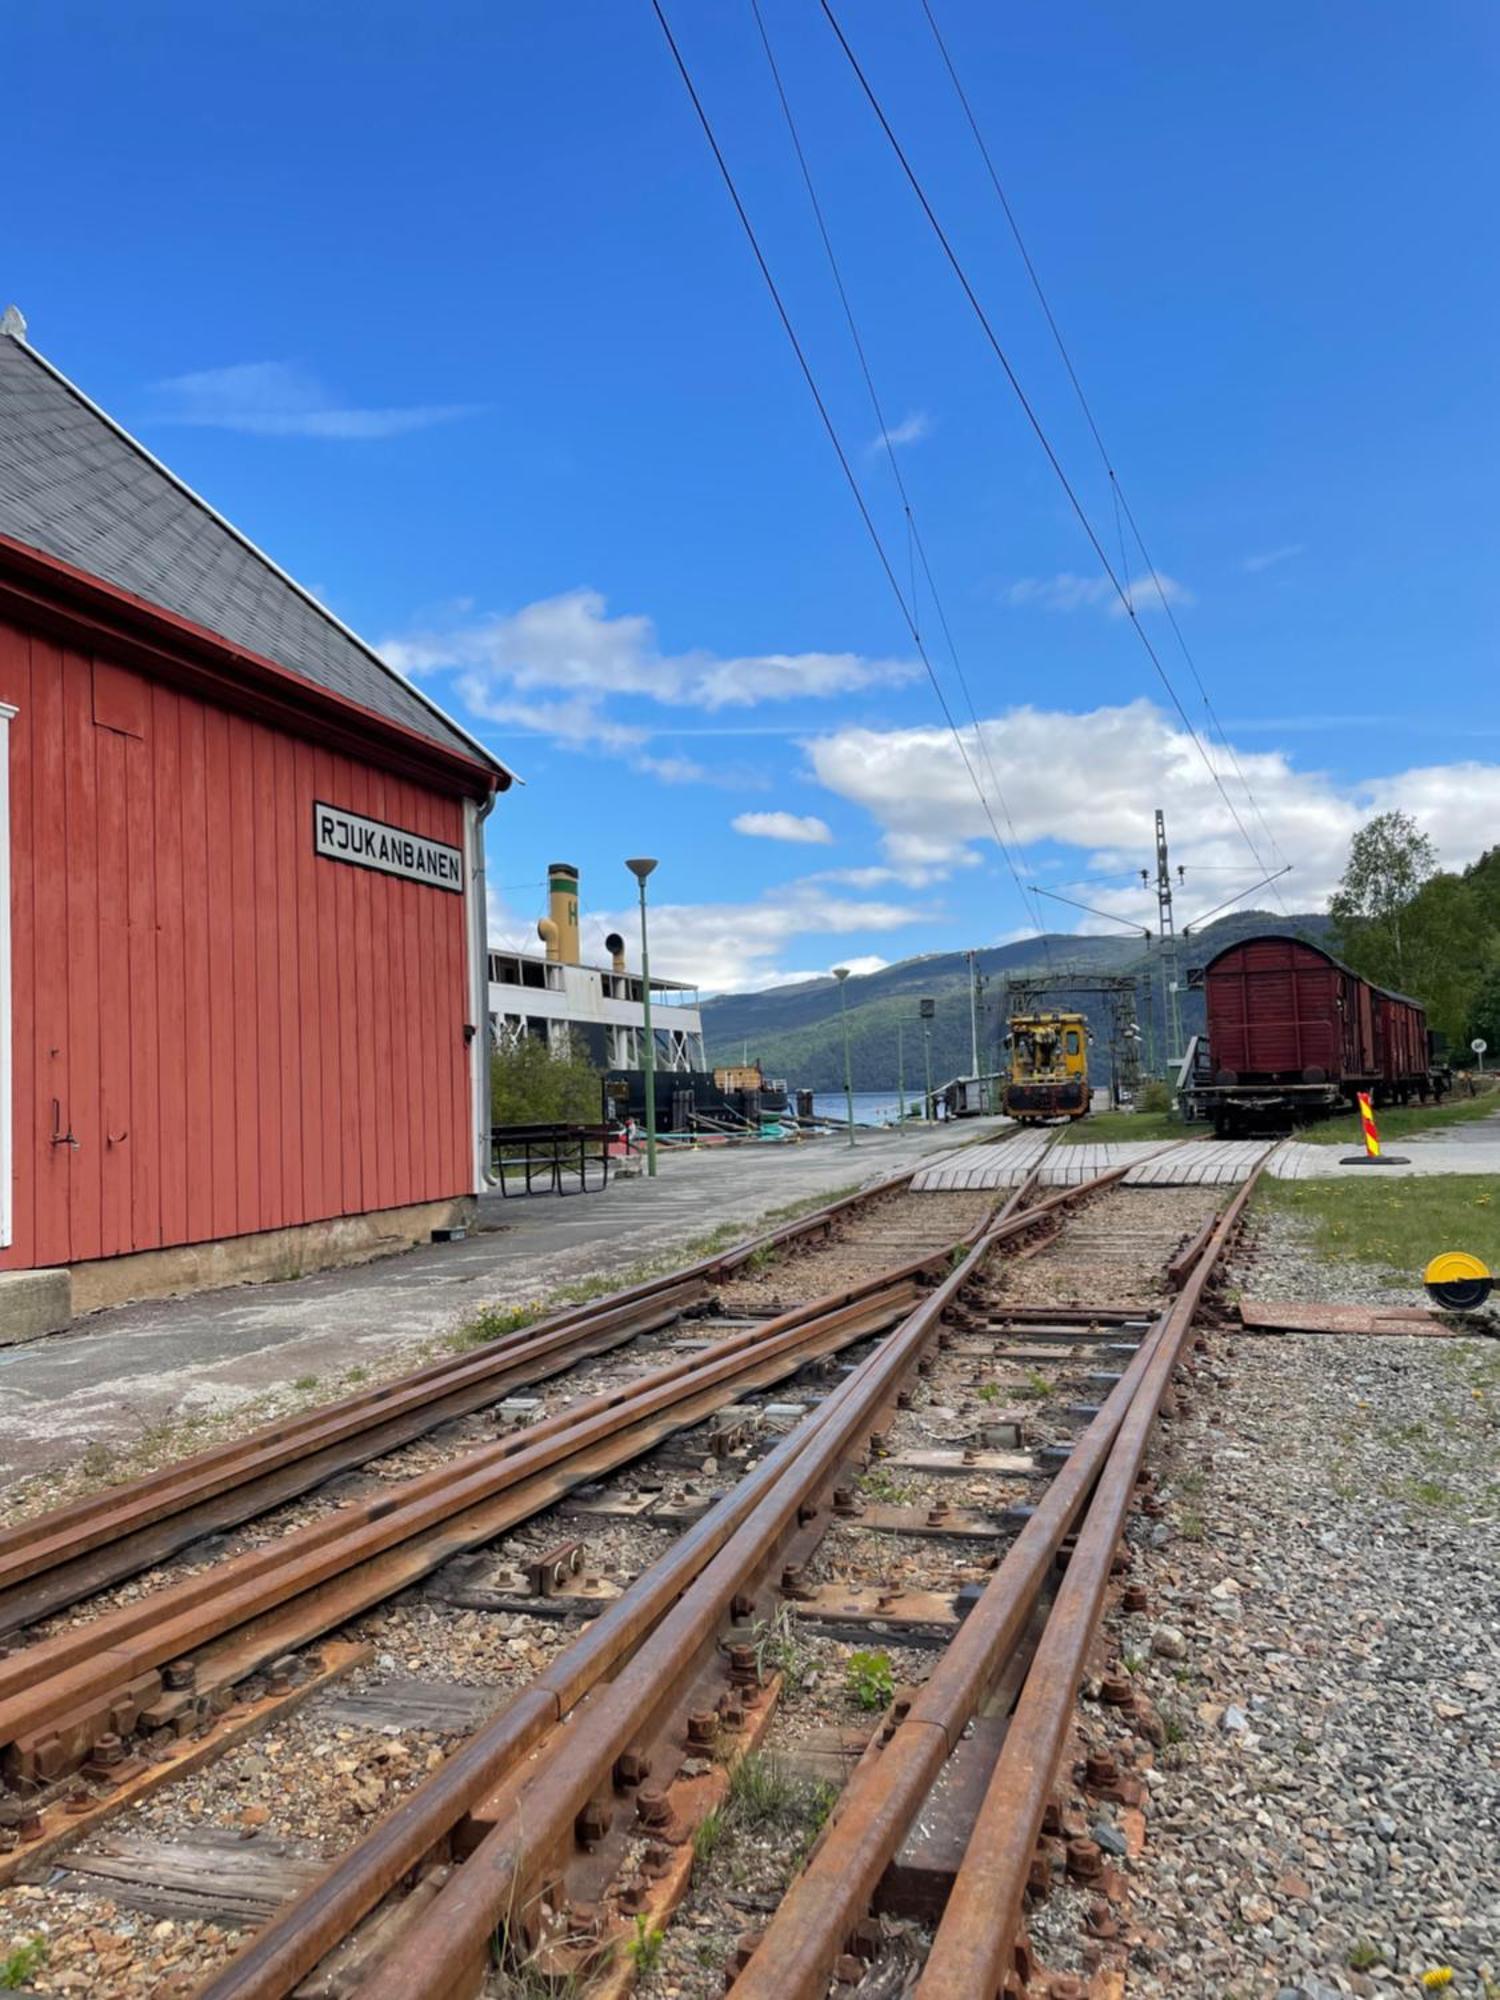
(242, 967)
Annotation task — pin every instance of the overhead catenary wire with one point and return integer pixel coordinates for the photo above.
(1117, 491)
(907, 610)
(1033, 420)
(916, 547)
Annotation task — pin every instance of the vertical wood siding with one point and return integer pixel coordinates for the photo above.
(238, 1034)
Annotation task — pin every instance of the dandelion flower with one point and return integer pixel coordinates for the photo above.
(1436, 1976)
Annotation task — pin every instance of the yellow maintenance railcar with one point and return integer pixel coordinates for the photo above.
(1047, 1067)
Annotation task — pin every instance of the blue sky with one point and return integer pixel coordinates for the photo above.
(447, 309)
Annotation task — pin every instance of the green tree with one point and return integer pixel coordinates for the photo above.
(1403, 923)
(1389, 860)
(530, 1085)
(1484, 1014)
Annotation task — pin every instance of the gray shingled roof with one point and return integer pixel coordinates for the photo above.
(75, 486)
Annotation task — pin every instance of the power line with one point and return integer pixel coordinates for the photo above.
(1034, 420)
(907, 611)
(916, 547)
(1117, 491)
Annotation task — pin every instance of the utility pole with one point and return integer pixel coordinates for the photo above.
(973, 1011)
(1171, 1012)
(841, 973)
(900, 1073)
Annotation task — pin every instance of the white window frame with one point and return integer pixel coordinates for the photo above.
(7, 1116)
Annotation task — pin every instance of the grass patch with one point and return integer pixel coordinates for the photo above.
(493, 1323)
(1398, 1224)
(18, 1965)
(1363, 1956)
(1401, 1121)
(1101, 1127)
(765, 1797)
(880, 1486)
(708, 1836)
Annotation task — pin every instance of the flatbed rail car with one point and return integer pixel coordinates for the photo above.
(1293, 1034)
(1046, 1067)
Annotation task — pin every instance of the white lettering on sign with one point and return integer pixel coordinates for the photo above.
(370, 843)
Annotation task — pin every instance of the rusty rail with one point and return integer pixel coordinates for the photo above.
(62, 1556)
(795, 1958)
(532, 1813)
(975, 1938)
(44, 1683)
(733, 1535)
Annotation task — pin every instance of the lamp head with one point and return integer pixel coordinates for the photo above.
(841, 973)
(640, 868)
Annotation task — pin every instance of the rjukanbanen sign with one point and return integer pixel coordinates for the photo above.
(370, 843)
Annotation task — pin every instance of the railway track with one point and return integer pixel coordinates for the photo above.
(564, 1821)
(78, 1550)
(106, 1697)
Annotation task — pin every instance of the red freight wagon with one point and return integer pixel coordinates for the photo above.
(1292, 1033)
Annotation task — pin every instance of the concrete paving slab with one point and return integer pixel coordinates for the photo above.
(1071, 1166)
(1298, 1161)
(115, 1374)
(1006, 1163)
(1201, 1163)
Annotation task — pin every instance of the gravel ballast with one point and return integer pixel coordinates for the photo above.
(1325, 1817)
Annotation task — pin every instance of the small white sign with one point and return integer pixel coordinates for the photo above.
(1479, 1045)
(370, 843)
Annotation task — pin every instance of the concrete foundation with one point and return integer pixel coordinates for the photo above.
(33, 1303)
(270, 1254)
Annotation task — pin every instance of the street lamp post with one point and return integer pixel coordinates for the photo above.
(926, 1008)
(640, 869)
(841, 973)
(900, 1074)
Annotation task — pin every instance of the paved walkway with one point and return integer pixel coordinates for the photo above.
(117, 1373)
(1452, 1154)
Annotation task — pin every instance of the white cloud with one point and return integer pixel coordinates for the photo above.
(1066, 592)
(1270, 557)
(571, 644)
(739, 947)
(281, 399)
(911, 430)
(1089, 782)
(804, 827)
